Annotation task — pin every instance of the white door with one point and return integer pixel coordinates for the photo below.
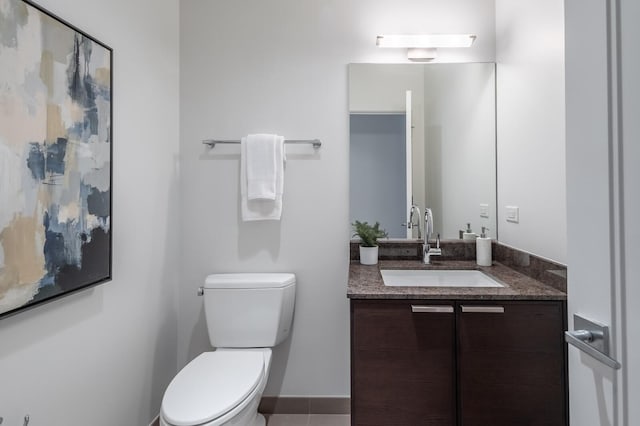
(409, 169)
(603, 204)
(629, 348)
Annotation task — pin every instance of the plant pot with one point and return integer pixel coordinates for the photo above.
(369, 255)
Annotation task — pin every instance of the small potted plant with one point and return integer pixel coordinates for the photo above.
(368, 241)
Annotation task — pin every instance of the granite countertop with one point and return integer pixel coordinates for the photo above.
(365, 282)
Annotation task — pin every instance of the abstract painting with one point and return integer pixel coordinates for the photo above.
(55, 158)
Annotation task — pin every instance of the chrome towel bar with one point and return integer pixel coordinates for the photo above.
(315, 142)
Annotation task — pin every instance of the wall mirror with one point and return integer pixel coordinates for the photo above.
(424, 135)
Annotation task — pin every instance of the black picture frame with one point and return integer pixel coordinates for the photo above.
(56, 152)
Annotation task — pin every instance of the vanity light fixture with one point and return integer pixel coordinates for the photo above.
(423, 47)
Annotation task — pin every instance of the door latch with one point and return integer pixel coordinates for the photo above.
(592, 338)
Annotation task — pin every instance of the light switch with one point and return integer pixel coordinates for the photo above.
(513, 214)
(484, 210)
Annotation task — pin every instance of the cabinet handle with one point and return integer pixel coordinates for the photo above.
(483, 309)
(442, 309)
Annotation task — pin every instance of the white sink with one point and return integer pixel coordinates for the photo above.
(436, 278)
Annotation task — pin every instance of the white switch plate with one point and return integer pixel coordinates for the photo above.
(513, 214)
(484, 210)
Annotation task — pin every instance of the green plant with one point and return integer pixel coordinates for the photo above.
(367, 233)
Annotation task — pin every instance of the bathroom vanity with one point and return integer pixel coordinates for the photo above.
(456, 356)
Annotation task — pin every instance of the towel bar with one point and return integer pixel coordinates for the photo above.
(315, 142)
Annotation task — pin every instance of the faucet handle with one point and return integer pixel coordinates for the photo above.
(436, 251)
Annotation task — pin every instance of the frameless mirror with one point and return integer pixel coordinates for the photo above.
(424, 135)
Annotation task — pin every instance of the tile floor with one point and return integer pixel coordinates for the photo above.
(308, 420)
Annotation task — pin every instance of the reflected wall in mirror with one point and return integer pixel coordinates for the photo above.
(448, 161)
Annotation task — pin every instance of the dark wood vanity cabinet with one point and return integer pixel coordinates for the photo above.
(511, 363)
(402, 364)
(446, 363)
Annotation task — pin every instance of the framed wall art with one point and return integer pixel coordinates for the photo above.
(55, 158)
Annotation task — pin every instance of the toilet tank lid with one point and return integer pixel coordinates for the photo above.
(249, 280)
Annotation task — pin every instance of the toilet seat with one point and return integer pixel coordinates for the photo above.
(213, 385)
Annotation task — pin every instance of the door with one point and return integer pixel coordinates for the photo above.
(377, 176)
(603, 107)
(409, 168)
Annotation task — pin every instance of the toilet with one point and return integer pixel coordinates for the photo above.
(247, 314)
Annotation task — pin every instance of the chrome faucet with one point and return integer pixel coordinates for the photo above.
(427, 250)
(411, 224)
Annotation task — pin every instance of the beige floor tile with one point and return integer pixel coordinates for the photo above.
(288, 420)
(329, 420)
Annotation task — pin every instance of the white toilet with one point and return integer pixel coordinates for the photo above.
(247, 314)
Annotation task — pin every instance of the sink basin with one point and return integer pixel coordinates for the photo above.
(437, 278)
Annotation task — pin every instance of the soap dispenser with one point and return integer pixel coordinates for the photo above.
(483, 248)
(469, 234)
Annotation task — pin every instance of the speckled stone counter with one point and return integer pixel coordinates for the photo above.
(365, 282)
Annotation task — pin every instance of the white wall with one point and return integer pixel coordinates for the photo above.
(281, 66)
(104, 356)
(381, 88)
(459, 154)
(531, 129)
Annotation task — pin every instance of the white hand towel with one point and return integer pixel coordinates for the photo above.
(262, 166)
(261, 209)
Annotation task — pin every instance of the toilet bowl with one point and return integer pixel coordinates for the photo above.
(247, 314)
(218, 388)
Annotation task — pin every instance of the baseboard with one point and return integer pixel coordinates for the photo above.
(297, 405)
(304, 405)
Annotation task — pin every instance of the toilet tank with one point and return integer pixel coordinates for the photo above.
(249, 310)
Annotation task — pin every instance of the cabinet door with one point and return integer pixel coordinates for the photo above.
(511, 364)
(402, 360)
